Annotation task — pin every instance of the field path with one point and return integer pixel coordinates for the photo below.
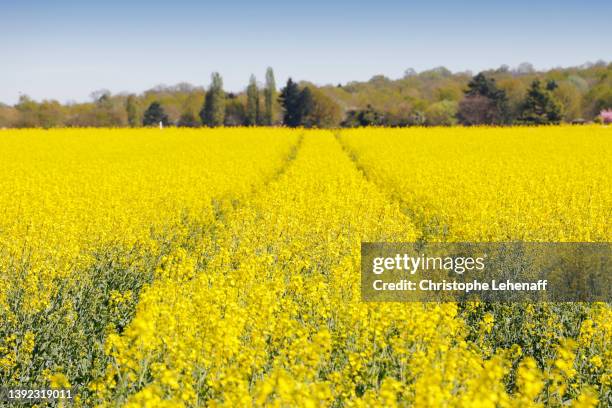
(91, 219)
(285, 265)
(430, 225)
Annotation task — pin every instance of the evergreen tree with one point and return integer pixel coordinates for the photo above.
(252, 108)
(155, 114)
(540, 106)
(306, 108)
(270, 96)
(290, 101)
(213, 111)
(131, 107)
(481, 85)
(484, 103)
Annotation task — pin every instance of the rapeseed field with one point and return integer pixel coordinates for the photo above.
(221, 267)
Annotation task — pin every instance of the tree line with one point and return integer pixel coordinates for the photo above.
(435, 97)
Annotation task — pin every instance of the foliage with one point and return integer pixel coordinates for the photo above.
(235, 114)
(253, 115)
(289, 99)
(366, 117)
(325, 112)
(308, 107)
(213, 111)
(269, 97)
(540, 106)
(582, 93)
(131, 108)
(599, 97)
(8, 116)
(305, 108)
(154, 115)
(570, 99)
(477, 110)
(106, 111)
(441, 113)
(484, 103)
(188, 119)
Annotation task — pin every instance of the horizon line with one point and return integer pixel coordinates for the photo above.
(513, 70)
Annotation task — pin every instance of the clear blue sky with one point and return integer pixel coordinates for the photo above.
(67, 49)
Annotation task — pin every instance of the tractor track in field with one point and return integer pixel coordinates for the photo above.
(430, 227)
(106, 276)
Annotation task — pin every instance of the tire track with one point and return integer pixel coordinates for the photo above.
(201, 240)
(432, 227)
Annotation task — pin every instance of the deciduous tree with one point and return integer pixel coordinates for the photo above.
(131, 107)
(252, 107)
(270, 97)
(188, 119)
(213, 111)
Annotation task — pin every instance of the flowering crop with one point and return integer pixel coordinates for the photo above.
(221, 267)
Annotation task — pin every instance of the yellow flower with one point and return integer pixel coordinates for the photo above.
(224, 264)
(58, 381)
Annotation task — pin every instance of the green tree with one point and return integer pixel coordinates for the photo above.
(192, 100)
(325, 112)
(570, 100)
(270, 96)
(540, 106)
(366, 117)
(50, 114)
(8, 116)
(416, 118)
(290, 101)
(188, 119)
(252, 107)
(131, 108)
(108, 111)
(154, 115)
(484, 103)
(306, 108)
(28, 112)
(235, 114)
(213, 111)
(441, 113)
(599, 96)
(515, 88)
